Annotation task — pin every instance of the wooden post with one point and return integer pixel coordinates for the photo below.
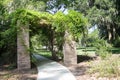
(23, 54)
(69, 50)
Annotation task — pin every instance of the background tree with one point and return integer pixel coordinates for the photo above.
(104, 14)
(7, 36)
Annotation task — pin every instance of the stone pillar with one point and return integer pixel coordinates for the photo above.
(69, 50)
(23, 54)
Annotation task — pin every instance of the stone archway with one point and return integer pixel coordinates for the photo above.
(23, 54)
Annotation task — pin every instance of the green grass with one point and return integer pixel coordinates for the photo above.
(80, 51)
(44, 53)
(90, 51)
(109, 67)
(115, 50)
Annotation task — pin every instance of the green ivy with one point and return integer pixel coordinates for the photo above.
(74, 21)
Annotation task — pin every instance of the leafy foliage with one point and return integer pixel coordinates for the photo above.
(102, 47)
(74, 22)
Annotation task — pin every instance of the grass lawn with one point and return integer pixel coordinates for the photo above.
(80, 51)
(44, 53)
(86, 51)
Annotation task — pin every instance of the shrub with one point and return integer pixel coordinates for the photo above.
(109, 67)
(101, 46)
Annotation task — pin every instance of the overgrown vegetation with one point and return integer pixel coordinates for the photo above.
(109, 67)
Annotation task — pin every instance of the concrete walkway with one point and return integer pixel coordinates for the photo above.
(51, 70)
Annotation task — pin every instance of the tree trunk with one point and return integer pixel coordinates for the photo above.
(23, 55)
(109, 33)
(69, 50)
(52, 42)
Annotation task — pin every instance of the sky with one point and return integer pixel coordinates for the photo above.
(92, 29)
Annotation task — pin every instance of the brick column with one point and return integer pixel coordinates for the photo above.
(23, 54)
(69, 50)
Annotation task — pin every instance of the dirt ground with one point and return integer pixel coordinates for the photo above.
(79, 71)
(18, 75)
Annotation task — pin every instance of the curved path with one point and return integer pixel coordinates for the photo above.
(51, 70)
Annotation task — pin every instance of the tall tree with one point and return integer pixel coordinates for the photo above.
(7, 35)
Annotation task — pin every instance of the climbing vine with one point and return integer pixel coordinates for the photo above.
(25, 16)
(74, 21)
(53, 26)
